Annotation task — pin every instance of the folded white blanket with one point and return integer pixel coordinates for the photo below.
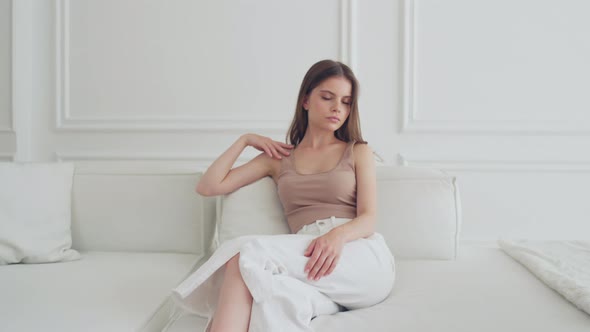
(562, 265)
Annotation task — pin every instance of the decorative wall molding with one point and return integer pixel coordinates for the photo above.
(411, 124)
(23, 95)
(133, 156)
(498, 165)
(198, 161)
(66, 121)
(348, 33)
(10, 128)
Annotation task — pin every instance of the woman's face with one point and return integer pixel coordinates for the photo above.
(328, 105)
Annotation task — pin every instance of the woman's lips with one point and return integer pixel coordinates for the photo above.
(334, 119)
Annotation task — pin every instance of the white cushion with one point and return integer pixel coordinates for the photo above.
(35, 216)
(253, 209)
(141, 211)
(483, 290)
(105, 291)
(419, 212)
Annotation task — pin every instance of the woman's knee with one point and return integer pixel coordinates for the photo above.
(232, 265)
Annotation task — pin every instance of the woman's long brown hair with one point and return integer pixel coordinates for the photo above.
(350, 131)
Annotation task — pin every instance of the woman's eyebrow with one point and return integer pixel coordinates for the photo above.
(332, 93)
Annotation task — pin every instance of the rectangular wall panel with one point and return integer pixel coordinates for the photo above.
(512, 66)
(187, 64)
(5, 66)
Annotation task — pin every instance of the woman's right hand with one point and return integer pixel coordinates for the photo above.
(273, 149)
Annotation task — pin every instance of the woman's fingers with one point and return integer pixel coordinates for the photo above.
(284, 146)
(325, 253)
(333, 265)
(267, 150)
(275, 153)
(286, 153)
(309, 249)
(282, 150)
(313, 273)
(312, 260)
(278, 151)
(273, 149)
(322, 261)
(325, 267)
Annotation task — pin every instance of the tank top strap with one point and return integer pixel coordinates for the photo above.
(348, 157)
(350, 148)
(286, 164)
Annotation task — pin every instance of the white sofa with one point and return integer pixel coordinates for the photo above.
(141, 232)
(442, 284)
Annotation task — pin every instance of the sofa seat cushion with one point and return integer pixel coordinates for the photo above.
(483, 290)
(104, 291)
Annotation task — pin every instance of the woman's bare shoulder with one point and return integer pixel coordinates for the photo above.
(272, 164)
(362, 151)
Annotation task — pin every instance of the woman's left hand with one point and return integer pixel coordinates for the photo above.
(324, 253)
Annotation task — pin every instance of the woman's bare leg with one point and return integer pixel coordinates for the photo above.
(235, 301)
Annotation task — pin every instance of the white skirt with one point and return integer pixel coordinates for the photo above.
(272, 267)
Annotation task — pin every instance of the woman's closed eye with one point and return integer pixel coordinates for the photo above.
(325, 98)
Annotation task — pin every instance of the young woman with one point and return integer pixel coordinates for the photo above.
(326, 184)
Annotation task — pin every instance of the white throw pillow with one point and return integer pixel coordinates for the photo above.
(253, 209)
(35, 201)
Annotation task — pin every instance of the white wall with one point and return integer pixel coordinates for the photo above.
(492, 91)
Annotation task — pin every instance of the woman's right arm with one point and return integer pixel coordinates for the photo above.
(221, 179)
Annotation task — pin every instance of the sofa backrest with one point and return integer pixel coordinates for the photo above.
(418, 212)
(140, 211)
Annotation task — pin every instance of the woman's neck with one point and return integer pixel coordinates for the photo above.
(316, 139)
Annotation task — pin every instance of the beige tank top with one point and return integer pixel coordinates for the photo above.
(310, 197)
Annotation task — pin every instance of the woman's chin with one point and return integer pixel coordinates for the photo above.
(329, 126)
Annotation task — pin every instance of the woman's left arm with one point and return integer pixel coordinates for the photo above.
(366, 197)
(324, 251)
